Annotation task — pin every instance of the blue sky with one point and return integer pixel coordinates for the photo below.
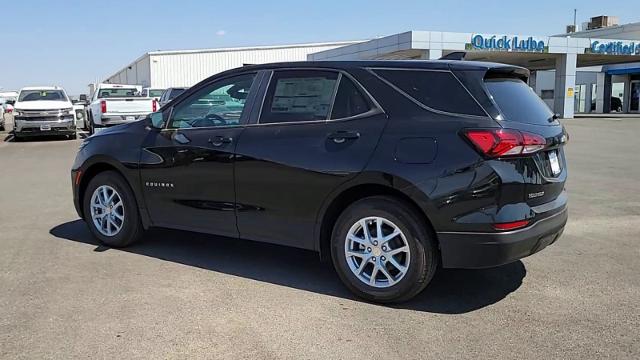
(71, 43)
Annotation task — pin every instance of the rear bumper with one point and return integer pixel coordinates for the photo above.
(481, 250)
(117, 119)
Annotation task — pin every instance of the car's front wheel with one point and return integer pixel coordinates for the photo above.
(382, 250)
(111, 211)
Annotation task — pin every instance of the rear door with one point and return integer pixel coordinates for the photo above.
(315, 130)
(544, 172)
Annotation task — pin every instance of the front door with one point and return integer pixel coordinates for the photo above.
(187, 169)
(634, 103)
(304, 146)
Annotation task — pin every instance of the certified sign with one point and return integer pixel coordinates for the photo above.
(615, 48)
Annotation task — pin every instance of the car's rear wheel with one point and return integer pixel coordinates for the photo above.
(382, 250)
(111, 211)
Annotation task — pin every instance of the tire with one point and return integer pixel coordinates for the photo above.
(421, 259)
(73, 136)
(130, 226)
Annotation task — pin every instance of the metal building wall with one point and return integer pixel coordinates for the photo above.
(137, 73)
(169, 69)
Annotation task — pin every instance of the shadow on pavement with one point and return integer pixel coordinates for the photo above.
(450, 292)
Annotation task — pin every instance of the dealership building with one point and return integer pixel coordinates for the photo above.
(591, 71)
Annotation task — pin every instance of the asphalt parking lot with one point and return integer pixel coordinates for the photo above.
(179, 295)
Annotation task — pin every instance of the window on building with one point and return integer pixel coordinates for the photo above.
(546, 94)
(438, 90)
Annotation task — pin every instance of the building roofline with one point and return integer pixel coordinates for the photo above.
(591, 31)
(249, 48)
(228, 49)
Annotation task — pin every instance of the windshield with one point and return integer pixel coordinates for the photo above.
(175, 93)
(155, 93)
(42, 95)
(118, 93)
(518, 102)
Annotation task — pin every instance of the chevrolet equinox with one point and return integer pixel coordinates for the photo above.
(389, 168)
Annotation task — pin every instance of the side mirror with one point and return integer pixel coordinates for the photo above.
(156, 120)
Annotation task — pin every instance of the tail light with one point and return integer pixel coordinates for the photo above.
(154, 105)
(505, 142)
(511, 226)
(103, 106)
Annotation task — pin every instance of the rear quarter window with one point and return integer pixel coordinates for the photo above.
(438, 90)
(518, 102)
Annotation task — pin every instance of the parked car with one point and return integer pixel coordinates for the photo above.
(43, 110)
(616, 104)
(170, 94)
(152, 93)
(114, 104)
(6, 107)
(389, 168)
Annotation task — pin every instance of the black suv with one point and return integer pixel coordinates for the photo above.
(388, 167)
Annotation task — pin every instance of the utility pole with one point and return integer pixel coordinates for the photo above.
(575, 16)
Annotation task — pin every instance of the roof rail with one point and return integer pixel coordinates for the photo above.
(457, 55)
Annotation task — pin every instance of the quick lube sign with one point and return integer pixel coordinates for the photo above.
(506, 43)
(615, 47)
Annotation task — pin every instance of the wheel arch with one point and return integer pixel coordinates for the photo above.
(355, 192)
(99, 165)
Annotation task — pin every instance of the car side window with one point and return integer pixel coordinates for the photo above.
(438, 90)
(299, 95)
(349, 100)
(221, 103)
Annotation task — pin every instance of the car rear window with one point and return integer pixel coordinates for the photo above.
(518, 102)
(438, 90)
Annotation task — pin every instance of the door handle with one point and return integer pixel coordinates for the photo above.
(220, 140)
(339, 137)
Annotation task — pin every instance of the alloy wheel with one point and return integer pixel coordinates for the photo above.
(377, 252)
(107, 210)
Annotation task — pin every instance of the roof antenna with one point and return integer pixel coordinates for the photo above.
(456, 55)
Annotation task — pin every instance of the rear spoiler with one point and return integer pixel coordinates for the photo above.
(492, 72)
(508, 72)
(457, 55)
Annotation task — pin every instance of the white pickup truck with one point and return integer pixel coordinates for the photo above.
(113, 104)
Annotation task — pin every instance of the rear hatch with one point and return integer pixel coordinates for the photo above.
(544, 171)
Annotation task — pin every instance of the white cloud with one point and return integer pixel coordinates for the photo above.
(221, 33)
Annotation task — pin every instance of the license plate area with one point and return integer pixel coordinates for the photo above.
(45, 127)
(554, 162)
(130, 118)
